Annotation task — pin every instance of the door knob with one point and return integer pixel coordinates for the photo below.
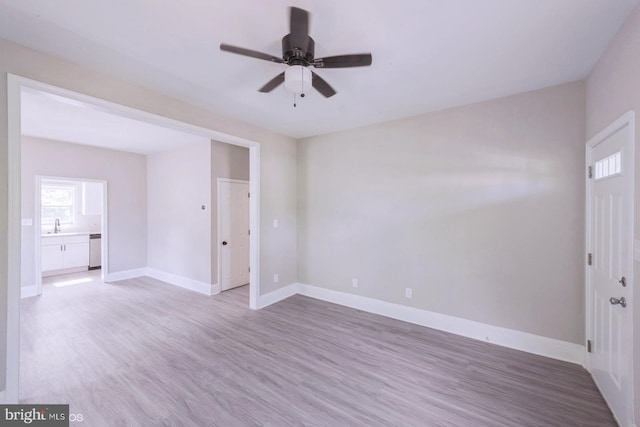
(622, 301)
(623, 281)
(224, 243)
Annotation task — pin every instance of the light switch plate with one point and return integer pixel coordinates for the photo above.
(275, 223)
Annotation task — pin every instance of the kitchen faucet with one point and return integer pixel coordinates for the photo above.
(56, 228)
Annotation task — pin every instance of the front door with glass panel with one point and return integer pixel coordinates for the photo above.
(610, 234)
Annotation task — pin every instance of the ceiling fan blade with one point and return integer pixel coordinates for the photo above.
(299, 26)
(273, 83)
(250, 53)
(344, 61)
(322, 86)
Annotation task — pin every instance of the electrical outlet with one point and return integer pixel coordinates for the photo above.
(275, 278)
(275, 223)
(354, 283)
(408, 292)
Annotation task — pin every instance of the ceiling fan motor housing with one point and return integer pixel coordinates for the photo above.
(298, 50)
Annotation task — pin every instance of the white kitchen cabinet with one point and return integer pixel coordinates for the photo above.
(64, 252)
(91, 198)
(76, 255)
(51, 256)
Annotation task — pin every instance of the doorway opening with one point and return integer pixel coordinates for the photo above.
(16, 85)
(70, 229)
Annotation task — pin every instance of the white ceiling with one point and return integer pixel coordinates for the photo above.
(427, 54)
(54, 117)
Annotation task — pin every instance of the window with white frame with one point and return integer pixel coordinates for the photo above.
(58, 201)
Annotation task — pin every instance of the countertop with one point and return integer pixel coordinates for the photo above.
(77, 233)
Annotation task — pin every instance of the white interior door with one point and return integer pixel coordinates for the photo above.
(233, 205)
(610, 235)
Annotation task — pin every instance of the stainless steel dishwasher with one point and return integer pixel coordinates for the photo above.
(95, 251)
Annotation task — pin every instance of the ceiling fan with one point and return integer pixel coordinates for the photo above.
(298, 53)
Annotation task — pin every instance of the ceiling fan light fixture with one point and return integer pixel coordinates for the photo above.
(297, 79)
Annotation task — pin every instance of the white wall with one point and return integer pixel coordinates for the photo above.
(613, 88)
(478, 209)
(179, 231)
(227, 161)
(127, 195)
(278, 163)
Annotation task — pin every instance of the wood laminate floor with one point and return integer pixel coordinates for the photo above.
(144, 353)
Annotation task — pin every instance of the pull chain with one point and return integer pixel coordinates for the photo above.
(301, 82)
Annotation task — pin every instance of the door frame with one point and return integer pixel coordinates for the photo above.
(104, 229)
(241, 181)
(15, 84)
(627, 120)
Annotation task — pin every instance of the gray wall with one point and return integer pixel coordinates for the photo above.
(612, 89)
(479, 209)
(278, 189)
(125, 174)
(179, 231)
(227, 161)
(278, 166)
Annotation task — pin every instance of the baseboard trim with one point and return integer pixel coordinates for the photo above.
(64, 271)
(215, 289)
(277, 295)
(524, 341)
(183, 282)
(125, 275)
(28, 291)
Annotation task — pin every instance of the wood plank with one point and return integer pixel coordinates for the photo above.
(141, 352)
